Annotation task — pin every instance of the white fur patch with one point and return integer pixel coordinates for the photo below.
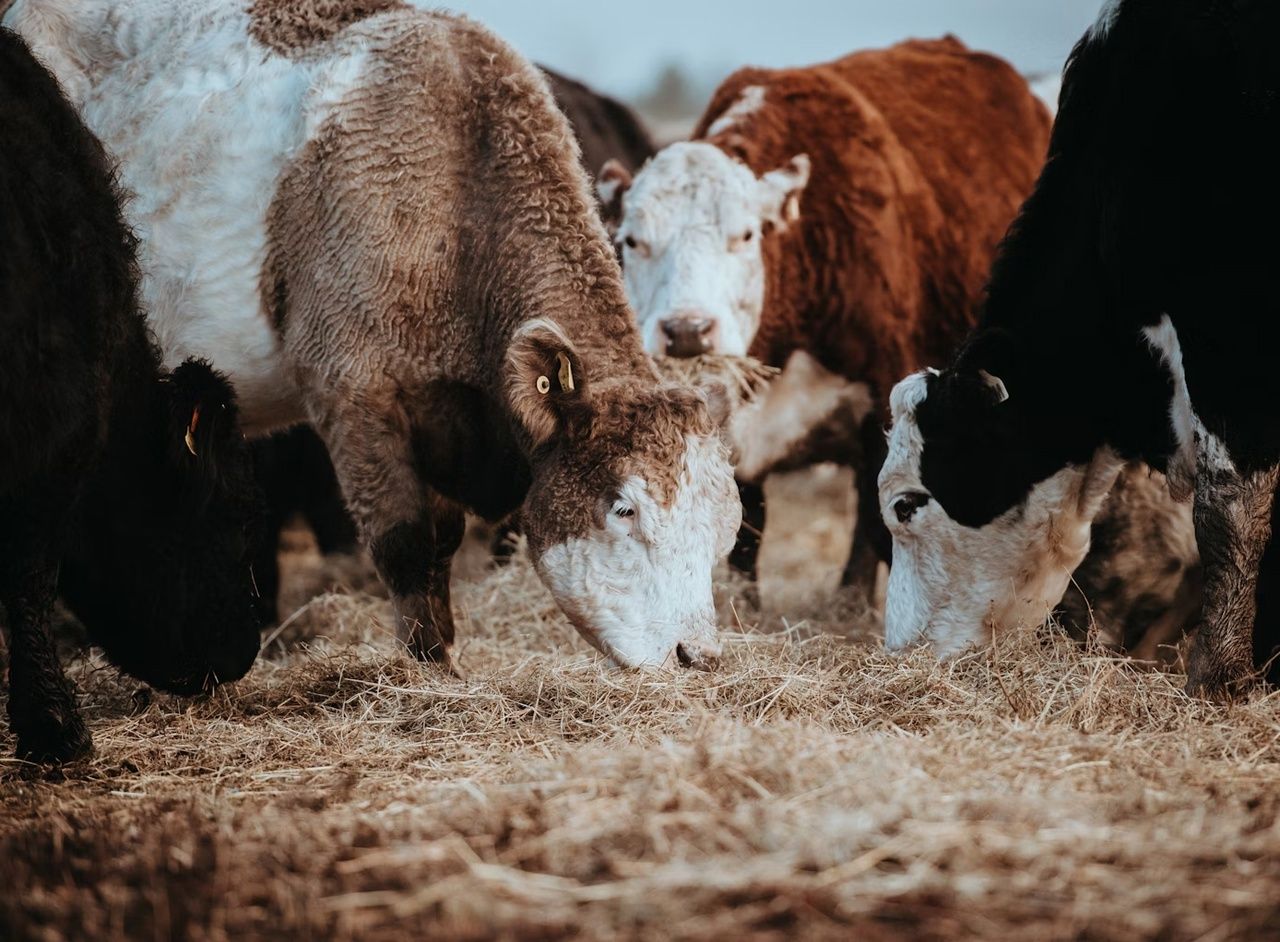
(641, 586)
(748, 103)
(691, 234)
(953, 586)
(202, 121)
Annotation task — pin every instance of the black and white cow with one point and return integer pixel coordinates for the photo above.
(1131, 316)
(126, 489)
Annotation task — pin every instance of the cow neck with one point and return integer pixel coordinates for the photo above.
(566, 275)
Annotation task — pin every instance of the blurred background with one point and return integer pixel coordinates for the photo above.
(665, 57)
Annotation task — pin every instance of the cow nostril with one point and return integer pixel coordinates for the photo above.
(905, 507)
(695, 657)
(688, 335)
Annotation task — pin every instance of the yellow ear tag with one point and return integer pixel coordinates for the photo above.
(190, 437)
(544, 385)
(566, 372)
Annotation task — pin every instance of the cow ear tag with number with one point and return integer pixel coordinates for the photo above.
(566, 372)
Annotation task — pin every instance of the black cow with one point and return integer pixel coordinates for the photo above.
(1131, 316)
(133, 480)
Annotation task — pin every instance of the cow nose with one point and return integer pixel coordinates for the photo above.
(905, 507)
(688, 335)
(701, 657)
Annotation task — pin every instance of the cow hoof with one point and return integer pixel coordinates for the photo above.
(436, 654)
(52, 738)
(1218, 685)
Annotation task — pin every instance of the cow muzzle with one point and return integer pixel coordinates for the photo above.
(688, 335)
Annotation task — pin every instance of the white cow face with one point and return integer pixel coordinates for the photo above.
(632, 504)
(984, 539)
(690, 231)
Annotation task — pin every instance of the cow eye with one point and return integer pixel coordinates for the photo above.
(624, 512)
(635, 245)
(905, 507)
(746, 236)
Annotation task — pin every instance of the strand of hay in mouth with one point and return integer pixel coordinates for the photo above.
(745, 376)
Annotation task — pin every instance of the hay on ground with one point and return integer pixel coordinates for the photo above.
(813, 787)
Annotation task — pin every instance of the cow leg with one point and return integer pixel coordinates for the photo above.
(1266, 630)
(42, 703)
(415, 558)
(1233, 527)
(872, 543)
(506, 537)
(746, 552)
(412, 532)
(325, 510)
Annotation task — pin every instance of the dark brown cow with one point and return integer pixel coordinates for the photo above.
(848, 211)
(606, 129)
(294, 467)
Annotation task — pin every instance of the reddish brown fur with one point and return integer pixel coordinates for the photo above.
(921, 155)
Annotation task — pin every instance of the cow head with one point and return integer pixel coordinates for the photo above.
(986, 528)
(690, 229)
(631, 505)
(161, 578)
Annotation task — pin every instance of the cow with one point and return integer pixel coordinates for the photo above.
(1129, 315)
(604, 127)
(846, 211)
(294, 467)
(132, 480)
(372, 217)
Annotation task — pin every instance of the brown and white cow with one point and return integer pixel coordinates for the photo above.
(847, 211)
(373, 218)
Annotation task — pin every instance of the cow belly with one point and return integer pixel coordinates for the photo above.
(203, 122)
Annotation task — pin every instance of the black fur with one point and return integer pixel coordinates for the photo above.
(95, 475)
(297, 477)
(605, 128)
(1159, 196)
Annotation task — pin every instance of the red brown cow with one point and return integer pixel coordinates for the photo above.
(847, 211)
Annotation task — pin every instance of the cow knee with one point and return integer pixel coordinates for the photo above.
(408, 552)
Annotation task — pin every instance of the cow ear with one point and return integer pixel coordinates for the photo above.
(611, 186)
(781, 190)
(546, 383)
(202, 414)
(996, 385)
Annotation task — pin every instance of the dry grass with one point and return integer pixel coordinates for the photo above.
(812, 787)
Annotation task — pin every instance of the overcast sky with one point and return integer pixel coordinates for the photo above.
(619, 47)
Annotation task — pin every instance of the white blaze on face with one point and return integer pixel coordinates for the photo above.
(640, 588)
(691, 230)
(953, 586)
